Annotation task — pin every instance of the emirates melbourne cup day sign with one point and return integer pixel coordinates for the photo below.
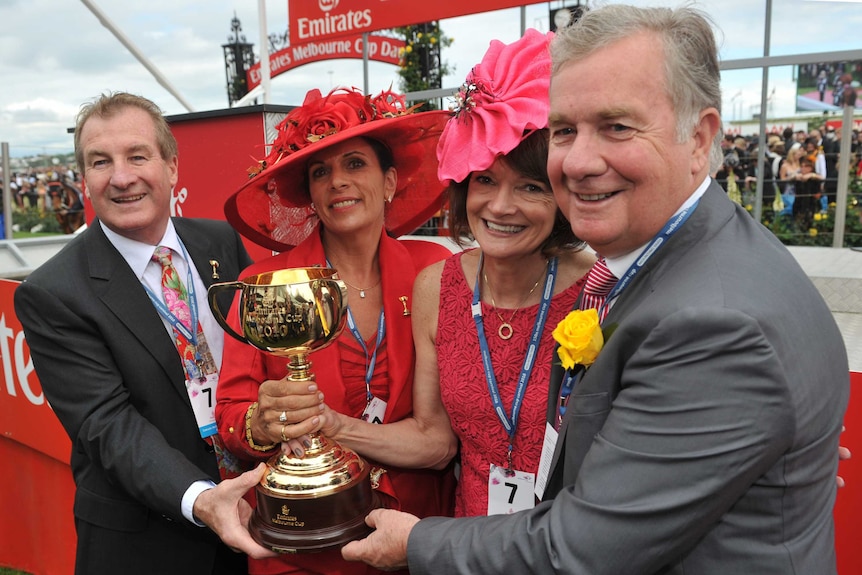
(312, 20)
(380, 49)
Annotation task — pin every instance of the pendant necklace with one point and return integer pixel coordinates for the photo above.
(505, 330)
(361, 290)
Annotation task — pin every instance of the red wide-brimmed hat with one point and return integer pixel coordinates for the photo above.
(273, 208)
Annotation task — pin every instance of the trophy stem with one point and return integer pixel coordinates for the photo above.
(299, 366)
(299, 369)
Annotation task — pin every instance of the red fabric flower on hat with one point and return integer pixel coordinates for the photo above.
(321, 116)
(504, 98)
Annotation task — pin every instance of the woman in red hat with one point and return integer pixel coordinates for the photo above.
(346, 175)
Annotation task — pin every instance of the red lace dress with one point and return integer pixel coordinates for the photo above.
(464, 389)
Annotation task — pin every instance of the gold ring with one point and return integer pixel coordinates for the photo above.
(283, 438)
(283, 417)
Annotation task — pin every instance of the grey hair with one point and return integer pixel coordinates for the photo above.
(692, 74)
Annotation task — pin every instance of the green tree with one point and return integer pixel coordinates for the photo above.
(422, 67)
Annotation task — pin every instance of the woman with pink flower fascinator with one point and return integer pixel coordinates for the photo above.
(482, 319)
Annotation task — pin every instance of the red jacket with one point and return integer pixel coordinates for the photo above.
(420, 492)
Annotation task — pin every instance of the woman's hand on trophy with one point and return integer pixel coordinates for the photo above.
(328, 423)
(286, 409)
(331, 422)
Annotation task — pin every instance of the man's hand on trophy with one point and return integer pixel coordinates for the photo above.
(386, 547)
(286, 409)
(224, 510)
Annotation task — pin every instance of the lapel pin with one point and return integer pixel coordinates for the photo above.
(214, 264)
(403, 300)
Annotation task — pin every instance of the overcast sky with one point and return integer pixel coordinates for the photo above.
(55, 55)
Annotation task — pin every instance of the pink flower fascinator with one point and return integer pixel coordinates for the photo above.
(504, 98)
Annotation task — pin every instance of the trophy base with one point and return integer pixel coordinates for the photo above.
(312, 540)
(304, 524)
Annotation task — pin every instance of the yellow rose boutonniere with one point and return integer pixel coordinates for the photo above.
(580, 337)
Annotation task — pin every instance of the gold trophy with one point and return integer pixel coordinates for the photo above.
(319, 501)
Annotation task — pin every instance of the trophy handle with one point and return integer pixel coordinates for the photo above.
(213, 292)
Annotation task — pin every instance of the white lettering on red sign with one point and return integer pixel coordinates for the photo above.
(389, 50)
(309, 28)
(332, 48)
(21, 368)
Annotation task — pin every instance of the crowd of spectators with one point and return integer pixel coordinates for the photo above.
(31, 188)
(834, 81)
(800, 171)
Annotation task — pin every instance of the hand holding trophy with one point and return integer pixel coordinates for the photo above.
(319, 501)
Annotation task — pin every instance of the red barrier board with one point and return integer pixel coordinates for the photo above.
(25, 416)
(36, 488)
(848, 505)
(37, 529)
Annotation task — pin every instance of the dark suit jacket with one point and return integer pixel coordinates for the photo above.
(702, 440)
(113, 376)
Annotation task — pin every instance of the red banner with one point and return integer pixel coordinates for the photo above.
(849, 502)
(25, 416)
(314, 20)
(380, 49)
(856, 124)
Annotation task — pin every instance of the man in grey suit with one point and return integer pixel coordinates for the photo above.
(703, 438)
(110, 366)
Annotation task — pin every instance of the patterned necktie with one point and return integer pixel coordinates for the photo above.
(173, 289)
(599, 283)
(197, 359)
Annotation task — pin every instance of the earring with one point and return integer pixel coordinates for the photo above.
(389, 199)
(313, 207)
(403, 300)
(214, 264)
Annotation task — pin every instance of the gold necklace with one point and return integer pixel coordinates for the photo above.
(361, 290)
(505, 330)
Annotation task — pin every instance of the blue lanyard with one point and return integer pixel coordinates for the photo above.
(511, 424)
(381, 331)
(176, 324)
(669, 229)
(658, 241)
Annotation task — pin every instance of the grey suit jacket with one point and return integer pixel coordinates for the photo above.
(113, 376)
(702, 440)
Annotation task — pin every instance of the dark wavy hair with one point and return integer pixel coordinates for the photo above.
(530, 159)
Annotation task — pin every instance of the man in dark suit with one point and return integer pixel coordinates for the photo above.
(109, 364)
(703, 437)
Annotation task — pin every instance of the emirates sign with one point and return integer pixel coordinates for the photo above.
(313, 20)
